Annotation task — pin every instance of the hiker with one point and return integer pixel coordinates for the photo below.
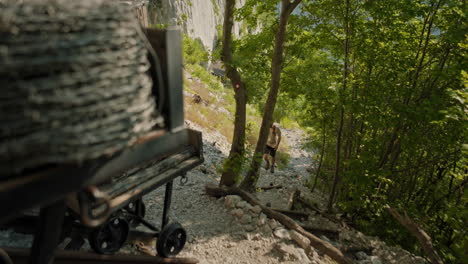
(274, 139)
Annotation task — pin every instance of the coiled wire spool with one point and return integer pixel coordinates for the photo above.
(73, 82)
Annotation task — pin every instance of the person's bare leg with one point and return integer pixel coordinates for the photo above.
(272, 168)
(266, 158)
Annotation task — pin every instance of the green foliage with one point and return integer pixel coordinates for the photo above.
(195, 59)
(216, 7)
(194, 51)
(406, 114)
(405, 106)
(217, 48)
(253, 61)
(183, 18)
(253, 51)
(289, 122)
(282, 159)
(208, 79)
(154, 4)
(236, 164)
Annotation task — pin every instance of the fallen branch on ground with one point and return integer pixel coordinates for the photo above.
(266, 188)
(321, 231)
(419, 233)
(323, 246)
(292, 214)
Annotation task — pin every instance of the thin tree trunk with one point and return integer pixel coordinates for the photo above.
(390, 146)
(322, 152)
(352, 120)
(394, 144)
(359, 138)
(460, 188)
(276, 66)
(396, 155)
(420, 66)
(424, 239)
(233, 164)
(360, 135)
(340, 127)
(427, 91)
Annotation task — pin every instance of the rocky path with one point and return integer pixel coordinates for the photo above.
(228, 230)
(215, 234)
(218, 231)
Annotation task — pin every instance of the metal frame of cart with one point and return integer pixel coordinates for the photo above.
(49, 188)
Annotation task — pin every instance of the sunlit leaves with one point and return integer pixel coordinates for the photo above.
(405, 129)
(406, 105)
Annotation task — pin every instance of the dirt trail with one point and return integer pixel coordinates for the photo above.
(214, 234)
(228, 230)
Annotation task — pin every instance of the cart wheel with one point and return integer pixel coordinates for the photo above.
(109, 237)
(137, 208)
(171, 240)
(4, 258)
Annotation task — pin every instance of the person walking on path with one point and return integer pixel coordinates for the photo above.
(274, 139)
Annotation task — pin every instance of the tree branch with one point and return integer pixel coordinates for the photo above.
(419, 233)
(291, 5)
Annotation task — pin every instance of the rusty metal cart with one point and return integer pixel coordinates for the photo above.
(108, 191)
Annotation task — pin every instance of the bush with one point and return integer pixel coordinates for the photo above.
(282, 159)
(194, 52)
(210, 80)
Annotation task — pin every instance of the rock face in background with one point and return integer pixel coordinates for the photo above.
(200, 19)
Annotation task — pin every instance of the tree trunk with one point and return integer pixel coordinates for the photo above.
(322, 152)
(419, 233)
(364, 98)
(292, 214)
(276, 66)
(352, 120)
(234, 161)
(341, 101)
(424, 52)
(390, 146)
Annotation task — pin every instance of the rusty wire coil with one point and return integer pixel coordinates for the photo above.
(73, 82)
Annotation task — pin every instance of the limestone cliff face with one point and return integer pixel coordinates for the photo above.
(200, 19)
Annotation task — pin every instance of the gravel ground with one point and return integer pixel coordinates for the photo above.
(220, 232)
(214, 235)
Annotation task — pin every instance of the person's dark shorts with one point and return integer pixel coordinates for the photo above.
(270, 151)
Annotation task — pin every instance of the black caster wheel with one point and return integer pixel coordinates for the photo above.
(109, 237)
(171, 240)
(136, 208)
(4, 258)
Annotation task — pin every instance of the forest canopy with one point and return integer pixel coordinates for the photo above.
(381, 88)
